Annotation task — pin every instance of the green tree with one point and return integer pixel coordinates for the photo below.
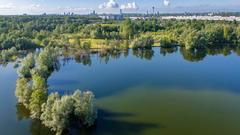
(23, 91)
(47, 110)
(27, 64)
(61, 113)
(229, 34)
(195, 39)
(39, 95)
(7, 44)
(127, 29)
(47, 62)
(143, 43)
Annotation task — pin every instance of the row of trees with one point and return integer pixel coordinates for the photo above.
(201, 34)
(26, 32)
(55, 112)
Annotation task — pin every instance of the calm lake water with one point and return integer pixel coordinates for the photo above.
(159, 92)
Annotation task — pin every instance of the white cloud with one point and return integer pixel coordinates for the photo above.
(39, 9)
(166, 3)
(111, 4)
(130, 6)
(11, 6)
(34, 6)
(72, 9)
(7, 6)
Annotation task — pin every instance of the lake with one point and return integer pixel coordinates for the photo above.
(151, 92)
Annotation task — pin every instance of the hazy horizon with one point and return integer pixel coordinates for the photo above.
(17, 7)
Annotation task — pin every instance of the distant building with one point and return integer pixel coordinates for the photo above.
(93, 13)
(112, 16)
(194, 17)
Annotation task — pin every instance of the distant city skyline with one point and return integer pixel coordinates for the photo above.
(113, 6)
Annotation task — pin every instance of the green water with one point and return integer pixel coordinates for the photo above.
(142, 93)
(176, 112)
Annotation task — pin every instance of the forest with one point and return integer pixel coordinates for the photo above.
(82, 32)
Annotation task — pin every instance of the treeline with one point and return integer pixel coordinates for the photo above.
(55, 111)
(27, 32)
(201, 34)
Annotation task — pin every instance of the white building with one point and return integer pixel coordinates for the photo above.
(214, 18)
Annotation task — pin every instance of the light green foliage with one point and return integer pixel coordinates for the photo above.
(143, 43)
(238, 35)
(26, 65)
(23, 91)
(127, 29)
(8, 55)
(195, 39)
(47, 62)
(85, 107)
(60, 113)
(47, 110)
(38, 97)
(38, 82)
(56, 112)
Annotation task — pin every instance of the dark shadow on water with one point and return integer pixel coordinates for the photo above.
(109, 123)
(36, 127)
(22, 112)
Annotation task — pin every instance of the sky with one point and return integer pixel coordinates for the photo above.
(113, 6)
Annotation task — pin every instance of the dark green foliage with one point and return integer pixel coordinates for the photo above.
(7, 44)
(29, 32)
(143, 43)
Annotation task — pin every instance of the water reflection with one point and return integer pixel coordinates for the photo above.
(192, 55)
(170, 50)
(146, 54)
(84, 57)
(36, 127)
(110, 122)
(22, 113)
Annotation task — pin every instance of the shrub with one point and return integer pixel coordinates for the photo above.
(23, 91)
(143, 43)
(59, 113)
(26, 65)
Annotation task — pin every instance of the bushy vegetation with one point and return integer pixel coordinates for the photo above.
(60, 113)
(8, 55)
(143, 43)
(47, 62)
(56, 112)
(29, 32)
(28, 63)
(23, 91)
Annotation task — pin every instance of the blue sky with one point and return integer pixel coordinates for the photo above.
(112, 6)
